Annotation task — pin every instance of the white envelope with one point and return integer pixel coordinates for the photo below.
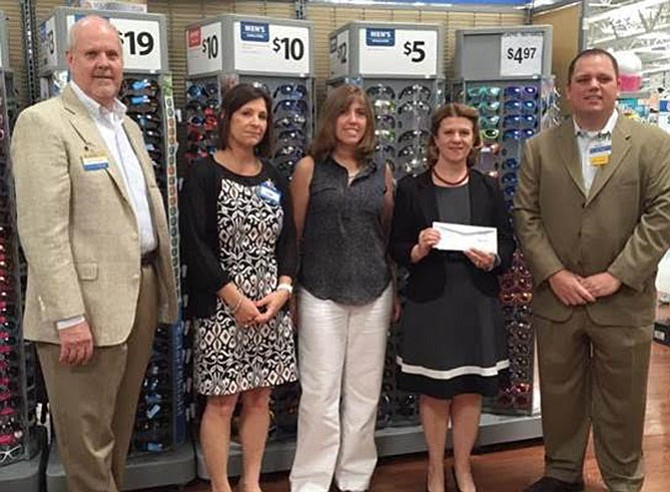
(459, 237)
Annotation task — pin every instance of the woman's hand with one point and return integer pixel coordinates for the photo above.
(247, 314)
(428, 239)
(481, 259)
(272, 303)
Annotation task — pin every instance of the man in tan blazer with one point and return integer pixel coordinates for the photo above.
(592, 213)
(94, 231)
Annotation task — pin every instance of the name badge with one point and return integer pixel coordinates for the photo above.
(95, 162)
(269, 193)
(600, 155)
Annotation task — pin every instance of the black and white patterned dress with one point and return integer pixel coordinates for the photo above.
(251, 236)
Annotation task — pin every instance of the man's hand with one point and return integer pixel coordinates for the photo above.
(568, 288)
(76, 344)
(601, 284)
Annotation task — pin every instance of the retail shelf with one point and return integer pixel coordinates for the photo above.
(26, 476)
(391, 441)
(176, 467)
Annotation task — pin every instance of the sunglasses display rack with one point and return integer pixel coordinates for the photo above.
(159, 453)
(275, 55)
(511, 87)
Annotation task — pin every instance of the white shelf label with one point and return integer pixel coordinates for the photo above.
(204, 46)
(48, 48)
(140, 39)
(271, 48)
(339, 54)
(385, 51)
(521, 54)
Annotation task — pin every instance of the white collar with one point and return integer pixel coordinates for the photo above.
(97, 109)
(606, 131)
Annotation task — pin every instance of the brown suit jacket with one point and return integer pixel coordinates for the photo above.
(77, 227)
(621, 226)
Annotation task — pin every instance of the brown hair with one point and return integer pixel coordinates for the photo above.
(592, 52)
(337, 102)
(454, 110)
(234, 99)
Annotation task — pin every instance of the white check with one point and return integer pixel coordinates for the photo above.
(459, 237)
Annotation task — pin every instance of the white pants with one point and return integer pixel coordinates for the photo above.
(341, 362)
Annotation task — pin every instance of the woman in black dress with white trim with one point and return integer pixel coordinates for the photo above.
(453, 347)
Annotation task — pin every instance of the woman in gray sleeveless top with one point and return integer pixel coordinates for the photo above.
(342, 204)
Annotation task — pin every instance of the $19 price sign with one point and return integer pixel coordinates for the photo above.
(140, 39)
(387, 51)
(272, 48)
(521, 54)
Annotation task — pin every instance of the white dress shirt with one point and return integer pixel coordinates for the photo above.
(588, 139)
(110, 125)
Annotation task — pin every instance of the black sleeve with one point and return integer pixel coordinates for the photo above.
(286, 247)
(198, 227)
(404, 229)
(503, 223)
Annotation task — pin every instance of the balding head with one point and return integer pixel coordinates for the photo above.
(95, 58)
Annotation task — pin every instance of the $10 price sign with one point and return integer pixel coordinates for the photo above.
(203, 52)
(521, 54)
(398, 51)
(272, 48)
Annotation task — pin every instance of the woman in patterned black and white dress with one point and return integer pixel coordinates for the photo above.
(240, 250)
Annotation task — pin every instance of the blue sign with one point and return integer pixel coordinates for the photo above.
(379, 37)
(255, 31)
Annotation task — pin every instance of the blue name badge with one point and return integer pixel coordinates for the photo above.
(269, 193)
(95, 162)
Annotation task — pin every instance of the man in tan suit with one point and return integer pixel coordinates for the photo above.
(592, 213)
(94, 231)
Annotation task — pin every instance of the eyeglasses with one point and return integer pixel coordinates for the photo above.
(416, 92)
(291, 91)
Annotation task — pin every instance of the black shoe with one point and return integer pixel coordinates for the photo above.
(551, 484)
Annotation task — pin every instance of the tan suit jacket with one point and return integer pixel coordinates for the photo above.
(621, 226)
(78, 228)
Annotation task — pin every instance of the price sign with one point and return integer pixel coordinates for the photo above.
(521, 54)
(204, 46)
(398, 51)
(271, 48)
(339, 54)
(48, 51)
(140, 39)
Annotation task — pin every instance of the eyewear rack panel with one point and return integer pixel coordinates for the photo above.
(17, 356)
(292, 115)
(512, 111)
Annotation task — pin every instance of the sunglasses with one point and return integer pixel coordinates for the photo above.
(511, 164)
(383, 106)
(380, 92)
(519, 121)
(414, 107)
(413, 136)
(143, 86)
(291, 91)
(488, 107)
(385, 135)
(385, 121)
(518, 134)
(207, 90)
(147, 121)
(489, 122)
(515, 298)
(516, 396)
(489, 133)
(416, 92)
(384, 150)
(291, 121)
(483, 92)
(11, 454)
(526, 92)
(291, 136)
(291, 105)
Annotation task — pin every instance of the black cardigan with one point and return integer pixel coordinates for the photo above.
(416, 208)
(199, 232)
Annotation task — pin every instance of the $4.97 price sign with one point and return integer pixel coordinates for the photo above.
(521, 54)
(390, 51)
(272, 48)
